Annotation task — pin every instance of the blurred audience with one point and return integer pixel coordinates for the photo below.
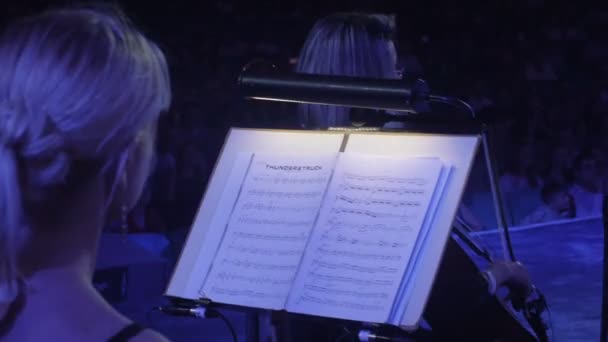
(558, 204)
(586, 186)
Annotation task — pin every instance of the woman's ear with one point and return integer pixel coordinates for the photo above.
(116, 187)
(131, 173)
(137, 167)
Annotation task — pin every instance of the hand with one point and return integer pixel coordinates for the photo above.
(514, 276)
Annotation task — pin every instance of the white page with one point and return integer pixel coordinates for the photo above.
(365, 234)
(216, 226)
(407, 286)
(268, 230)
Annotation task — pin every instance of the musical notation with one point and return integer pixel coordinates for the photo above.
(369, 213)
(268, 229)
(364, 236)
(270, 179)
(373, 201)
(388, 179)
(274, 222)
(342, 239)
(348, 293)
(232, 277)
(262, 207)
(351, 267)
(358, 255)
(241, 249)
(259, 266)
(246, 293)
(381, 190)
(350, 280)
(337, 224)
(339, 303)
(284, 194)
(343, 258)
(269, 237)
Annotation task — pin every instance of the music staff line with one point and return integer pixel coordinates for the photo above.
(341, 279)
(274, 222)
(348, 293)
(351, 267)
(247, 293)
(289, 180)
(259, 266)
(358, 255)
(339, 238)
(277, 208)
(268, 237)
(284, 194)
(336, 224)
(265, 251)
(254, 280)
(336, 303)
(410, 181)
(373, 201)
(369, 213)
(381, 190)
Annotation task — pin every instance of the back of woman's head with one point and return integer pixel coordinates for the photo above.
(77, 87)
(346, 44)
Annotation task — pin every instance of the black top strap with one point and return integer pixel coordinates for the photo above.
(13, 311)
(127, 333)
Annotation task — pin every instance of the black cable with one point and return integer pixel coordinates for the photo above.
(197, 311)
(221, 316)
(454, 102)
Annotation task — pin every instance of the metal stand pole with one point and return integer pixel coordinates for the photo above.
(496, 194)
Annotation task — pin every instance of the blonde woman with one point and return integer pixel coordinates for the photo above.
(361, 45)
(346, 44)
(81, 91)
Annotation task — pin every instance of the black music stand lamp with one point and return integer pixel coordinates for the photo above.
(408, 97)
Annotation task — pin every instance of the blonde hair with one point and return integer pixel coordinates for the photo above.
(345, 44)
(76, 87)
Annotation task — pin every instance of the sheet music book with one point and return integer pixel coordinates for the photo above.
(331, 233)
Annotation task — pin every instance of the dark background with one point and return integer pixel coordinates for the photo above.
(543, 65)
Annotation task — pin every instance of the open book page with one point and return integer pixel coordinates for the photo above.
(405, 292)
(363, 239)
(268, 229)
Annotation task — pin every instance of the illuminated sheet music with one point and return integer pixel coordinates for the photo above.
(268, 230)
(364, 237)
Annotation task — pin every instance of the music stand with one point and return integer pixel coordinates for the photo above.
(407, 96)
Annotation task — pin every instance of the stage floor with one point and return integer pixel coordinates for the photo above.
(565, 263)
